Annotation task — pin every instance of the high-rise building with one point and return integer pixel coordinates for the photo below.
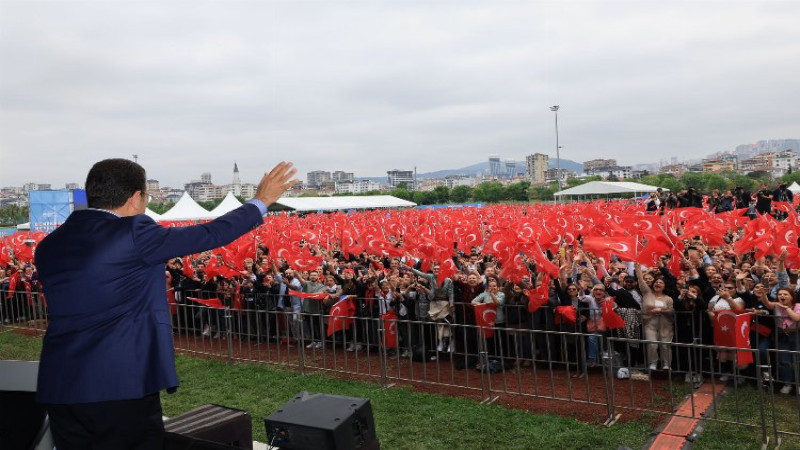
(589, 166)
(785, 161)
(396, 177)
(511, 168)
(205, 177)
(153, 185)
(317, 178)
(340, 176)
(537, 165)
(494, 166)
(356, 187)
(248, 190)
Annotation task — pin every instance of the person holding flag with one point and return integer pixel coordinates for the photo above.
(495, 337)
(312, 310)
(787, 323)
(657, 320)
(725, 301)
(442, 304)
(333, 294)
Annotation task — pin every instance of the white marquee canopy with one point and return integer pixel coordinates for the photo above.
(186, 209)
(313, 204)
(607, 188)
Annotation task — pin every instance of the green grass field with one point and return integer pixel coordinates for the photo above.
(404, 418)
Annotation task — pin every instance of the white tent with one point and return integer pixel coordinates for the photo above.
(186, 209)
(795, 188)
(228, 204)
(312, 204)
(599, 189)
(152, 214)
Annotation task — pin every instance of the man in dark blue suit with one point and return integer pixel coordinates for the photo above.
(108, 350)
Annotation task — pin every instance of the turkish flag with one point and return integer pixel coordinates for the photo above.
(539, 296)
(544, 265)
(5, 258)
(212, 267)
(341, 316)
(611, 319)
(514, 270)
(485, 316)
(566, 314)
(210, 302)
(187, 267)
(390, 329)
(622, 246)
(313, 296)
(24, 251)
(733, 330)
(12, 284)
(446, 269)
(656, 247)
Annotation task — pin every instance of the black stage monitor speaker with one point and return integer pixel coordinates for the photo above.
(323, 422)
(214, 423)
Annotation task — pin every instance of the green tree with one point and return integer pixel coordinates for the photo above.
(692, 179)
(713, 181)
(403, 193)
(792, 177)
(442, 194)
(14, 214)
(738, 179)
(160, 208)
(518, 192)
(210, 204)
(572, 182)
(460, 194)
(402, 185)
(761, 176)
(665, 181)
(424, 197)
(489, 191)
(542, 193)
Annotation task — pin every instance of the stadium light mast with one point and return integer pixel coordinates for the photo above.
(554, 108)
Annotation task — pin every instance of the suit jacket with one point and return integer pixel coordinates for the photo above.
(110, 336)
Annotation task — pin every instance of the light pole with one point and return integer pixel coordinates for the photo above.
(558, 149)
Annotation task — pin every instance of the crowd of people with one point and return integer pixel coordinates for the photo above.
(589, 298)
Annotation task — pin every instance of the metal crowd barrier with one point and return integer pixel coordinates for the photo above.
(536, 360)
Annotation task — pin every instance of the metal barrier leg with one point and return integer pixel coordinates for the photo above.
(486, 381)
(608, 376)
(301, 348)
(229, 332)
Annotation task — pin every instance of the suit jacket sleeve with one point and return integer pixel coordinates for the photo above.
(158, 244)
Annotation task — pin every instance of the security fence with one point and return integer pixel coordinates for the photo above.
(532, 360)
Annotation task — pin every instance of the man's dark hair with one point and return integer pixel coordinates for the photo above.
(111, 182)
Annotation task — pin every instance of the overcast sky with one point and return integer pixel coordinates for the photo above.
(368, 86)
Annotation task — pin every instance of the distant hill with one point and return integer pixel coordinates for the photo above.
(482, 168)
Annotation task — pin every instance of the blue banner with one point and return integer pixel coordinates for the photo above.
(49, 209)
